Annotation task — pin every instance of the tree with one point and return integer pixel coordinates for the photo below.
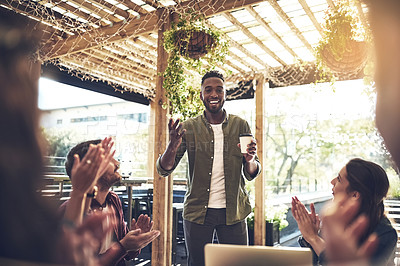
(58, 144)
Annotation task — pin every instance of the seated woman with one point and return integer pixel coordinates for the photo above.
(362, 181)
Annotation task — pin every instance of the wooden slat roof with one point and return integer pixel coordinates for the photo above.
(116, 40)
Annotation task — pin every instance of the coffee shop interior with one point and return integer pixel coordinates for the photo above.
(108, 70)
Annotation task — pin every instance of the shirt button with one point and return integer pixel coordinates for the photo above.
(205, 207)
(212, 157)
(212, 141)
(208, 189)
(209, 173)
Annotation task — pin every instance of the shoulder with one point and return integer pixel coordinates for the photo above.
(194, 123)
(236, 119)
(238, 122)
(193, 120)
(113, 197)
(385, 230)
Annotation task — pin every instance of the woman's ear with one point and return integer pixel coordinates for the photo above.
(355, 195)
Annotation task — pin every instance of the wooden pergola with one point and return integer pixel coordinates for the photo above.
(119, 43)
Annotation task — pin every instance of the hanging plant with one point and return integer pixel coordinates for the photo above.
(343, 49)
(194, 48)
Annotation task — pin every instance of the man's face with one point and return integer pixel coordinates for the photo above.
(111, 175)
(213, 94)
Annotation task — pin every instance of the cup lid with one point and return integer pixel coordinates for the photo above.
(245, 135)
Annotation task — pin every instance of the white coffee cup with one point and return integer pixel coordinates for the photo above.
(245, 139)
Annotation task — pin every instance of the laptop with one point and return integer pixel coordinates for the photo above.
(239, 255)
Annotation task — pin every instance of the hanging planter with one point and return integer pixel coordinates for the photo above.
(193, 48)
(351, 61)
(343, 49)
(194, 43)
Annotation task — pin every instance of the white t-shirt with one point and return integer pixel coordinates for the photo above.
(217, 197)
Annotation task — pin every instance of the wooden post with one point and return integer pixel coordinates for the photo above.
(259, 209)
(162, 204)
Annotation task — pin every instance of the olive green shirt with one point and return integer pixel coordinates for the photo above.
(198, 141)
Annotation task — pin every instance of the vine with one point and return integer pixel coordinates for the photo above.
(194, 48)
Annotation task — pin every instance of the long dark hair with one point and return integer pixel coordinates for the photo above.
(371, 181)
(28, 227)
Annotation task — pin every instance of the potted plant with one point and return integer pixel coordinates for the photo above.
(193, 48)
(275, 221)
(343, 48)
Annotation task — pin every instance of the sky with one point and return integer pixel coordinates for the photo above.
(54, 95)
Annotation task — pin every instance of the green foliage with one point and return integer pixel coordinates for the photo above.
(58, 142)
(342, 25)
(304, 150)
(273, 213)
(394, 181)
(183, 71)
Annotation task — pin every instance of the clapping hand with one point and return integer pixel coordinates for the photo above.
(342, 233)
(143, 223)
(141, 235)
(305, 219)
(107, 145)
(84, 172)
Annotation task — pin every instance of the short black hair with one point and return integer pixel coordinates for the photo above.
(81, 149)
(212, 74)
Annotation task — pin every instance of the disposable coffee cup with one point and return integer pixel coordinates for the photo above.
(245, 139)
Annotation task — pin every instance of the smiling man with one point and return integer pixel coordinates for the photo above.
(216, 199)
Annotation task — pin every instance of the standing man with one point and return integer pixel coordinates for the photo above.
(121, 244)
(216, 198)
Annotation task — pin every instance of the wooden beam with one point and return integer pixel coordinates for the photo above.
(75, 62)
(122, 52)
(72, 9)
(44, 25)
(247, 53)
(154, 3)
(115, 63)
(290, 23)
(132, 6)
(361, 14)
(145, 46)
(122, 61)
(331, 4)
(129, 48)
(242, 61)
(77, 43)
(266, 26)
(215, 7)
(162, 206)
(234, 66)
(124, 84)
(310, 14)
(136, 26)
(101, 11)
(259, 209)
(257, 41)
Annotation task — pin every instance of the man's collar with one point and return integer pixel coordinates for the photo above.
(96, 205)
(203, 116)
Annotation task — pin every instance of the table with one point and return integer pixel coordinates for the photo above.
(60, 179)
